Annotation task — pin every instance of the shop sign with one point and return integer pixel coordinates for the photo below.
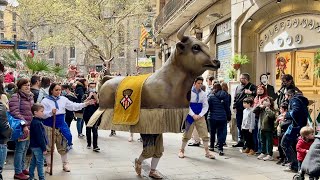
(292, 32)
(223, 31)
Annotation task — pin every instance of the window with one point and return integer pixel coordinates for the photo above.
(51, 54)
(72, 52)
(14, 16)
(1, 15)
(1, 25)
(121, 41)
(14, 27)
(1, 36)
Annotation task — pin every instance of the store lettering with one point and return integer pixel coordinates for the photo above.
(289, 23)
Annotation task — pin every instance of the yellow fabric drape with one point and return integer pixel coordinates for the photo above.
(128, 100)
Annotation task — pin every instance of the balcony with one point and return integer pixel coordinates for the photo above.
(176, 12)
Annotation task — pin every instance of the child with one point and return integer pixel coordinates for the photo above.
(38, 141)
(282, 126)
(304, 143)
(266, 118)
(311, 161)
(247, 125)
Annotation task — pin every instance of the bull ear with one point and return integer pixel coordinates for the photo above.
(180, 47)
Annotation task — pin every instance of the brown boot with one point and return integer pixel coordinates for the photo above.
(247, 150)
(252, 152)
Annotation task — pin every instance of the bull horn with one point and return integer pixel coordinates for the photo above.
(110, 59)
(210, 35)
(181, 31)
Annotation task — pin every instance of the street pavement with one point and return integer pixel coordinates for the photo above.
(116, 161)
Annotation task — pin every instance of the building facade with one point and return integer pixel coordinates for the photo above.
(279, 37)
(212, 15)
(9, 27)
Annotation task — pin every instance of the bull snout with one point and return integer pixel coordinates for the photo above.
(216, 63)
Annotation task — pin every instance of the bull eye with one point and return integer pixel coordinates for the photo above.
(196, 48)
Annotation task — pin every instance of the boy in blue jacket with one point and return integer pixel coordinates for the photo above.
(38, 141)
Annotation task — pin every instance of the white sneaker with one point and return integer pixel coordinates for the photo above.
(130, 139)
(268, 158)
(261, 156)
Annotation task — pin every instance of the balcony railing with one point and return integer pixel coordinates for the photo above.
(167, 11)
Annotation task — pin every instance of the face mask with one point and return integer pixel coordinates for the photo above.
(92, 90)
(63, 93)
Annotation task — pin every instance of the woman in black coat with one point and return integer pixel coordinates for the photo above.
(218, 113)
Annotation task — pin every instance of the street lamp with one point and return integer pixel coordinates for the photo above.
(3, 4)
(137, 53)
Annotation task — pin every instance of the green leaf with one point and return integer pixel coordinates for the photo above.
(239, 59)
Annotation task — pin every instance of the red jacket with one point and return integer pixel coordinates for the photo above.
(302, 147)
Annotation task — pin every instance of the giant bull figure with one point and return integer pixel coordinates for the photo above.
(166, 89)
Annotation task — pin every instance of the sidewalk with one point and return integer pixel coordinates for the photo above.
(115, 161)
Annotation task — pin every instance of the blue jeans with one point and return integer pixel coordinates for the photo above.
(3, 156)
(256, 137)
(20, 156)
(80, 125)
(37, 161)
(225, 133)
(287, 144)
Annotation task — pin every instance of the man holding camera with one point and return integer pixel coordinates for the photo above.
(87, 113)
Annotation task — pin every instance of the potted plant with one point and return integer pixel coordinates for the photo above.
(238, 60)
(317, 63)
(231, 73)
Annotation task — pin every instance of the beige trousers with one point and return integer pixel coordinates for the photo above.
(60, 141)
(201, 127)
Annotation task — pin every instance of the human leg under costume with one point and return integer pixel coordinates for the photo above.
(152, 148)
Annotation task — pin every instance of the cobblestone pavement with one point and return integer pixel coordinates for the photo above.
(115, 161)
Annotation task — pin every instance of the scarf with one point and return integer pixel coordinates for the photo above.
(54, 99)
(197, 93)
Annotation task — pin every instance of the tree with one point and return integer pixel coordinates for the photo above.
(95, 23)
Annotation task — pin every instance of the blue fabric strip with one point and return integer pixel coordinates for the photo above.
(61, 125)
(196, 108)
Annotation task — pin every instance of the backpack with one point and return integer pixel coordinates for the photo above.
(15, 124)
(42, 95)
(16, 127)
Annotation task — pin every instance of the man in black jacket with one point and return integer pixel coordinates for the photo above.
(245, 89)
(66, 91)
(35, 86)
(87, 113)
(5, 134)
(298, 113)
(286, 84)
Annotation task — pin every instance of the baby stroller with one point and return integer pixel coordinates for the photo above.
(311, 163)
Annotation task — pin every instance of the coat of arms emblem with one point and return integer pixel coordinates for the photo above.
(126, 101)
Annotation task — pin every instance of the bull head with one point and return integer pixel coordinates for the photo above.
(195, 55)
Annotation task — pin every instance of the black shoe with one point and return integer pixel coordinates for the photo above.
(211, 149)
(194, 144)
(216, 146)
(284, 163)
(221, 153)
(280, 161)
(239, 144)
(96, 149)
